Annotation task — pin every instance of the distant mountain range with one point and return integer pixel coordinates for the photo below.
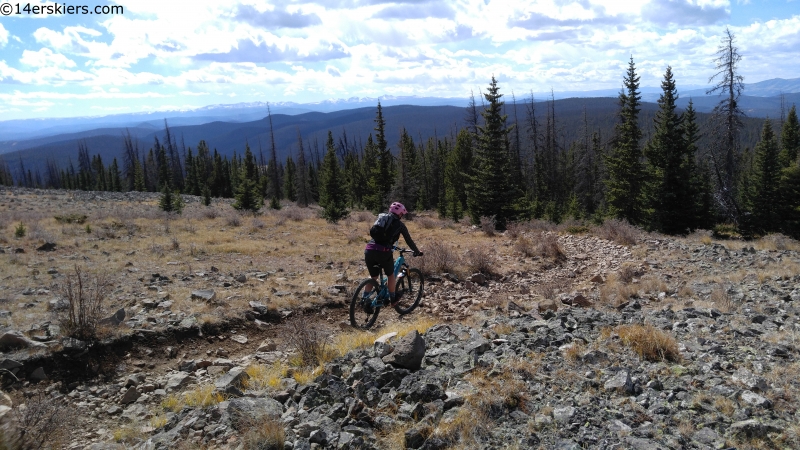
(762, 99)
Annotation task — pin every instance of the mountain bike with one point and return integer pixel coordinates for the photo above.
(364, 309)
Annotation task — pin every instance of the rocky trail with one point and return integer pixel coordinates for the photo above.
(659, 343)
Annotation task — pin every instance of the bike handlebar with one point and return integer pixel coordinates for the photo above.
(403, 250)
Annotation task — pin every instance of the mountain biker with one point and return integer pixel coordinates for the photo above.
(380, 253)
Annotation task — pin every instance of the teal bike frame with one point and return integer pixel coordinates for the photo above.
(383, 293)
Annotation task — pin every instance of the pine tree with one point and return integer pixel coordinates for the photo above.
(625, 171)
(272, 170)
(170, 200)
(290, 179)
(331, 195)
(492, 193)
(669, 180)
(303, 189)
(372, 196)
(726, 124)
(190, 182)
(138, 177)
(763, 199)
(406, 188)
(700, 174)
(383, 178)
(457, 174)
(790, 139)
(115, 177)
(248, 197)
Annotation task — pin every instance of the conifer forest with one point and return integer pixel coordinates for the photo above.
(671, 173)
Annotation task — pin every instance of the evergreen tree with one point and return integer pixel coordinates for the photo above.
(170, 200)
(331, 195)
(492, 193)
(625, 171)
(700, 174)
(290, 179)
(206, 196)
(303, 189)
(248, 197)
(313, 182)
(115, 177)
(457, 174)
(138, 177)
(372, 196)
(272, 170)
(790, 139)
(669, 180)
(354, 179)
(191, 184)
(763, 199)
(726, 124)
(380, 179)
(406, 188)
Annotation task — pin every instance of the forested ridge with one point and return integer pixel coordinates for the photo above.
(660, 168)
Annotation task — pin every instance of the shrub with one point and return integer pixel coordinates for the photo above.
(514, 230)
(79, 219)
(480, 259)
(203, 396)
(264, 433)
(649, 342)
(309, 343)
(627, 272)
(726, 231)
(20, 230)
(439, 257)
(85, 309)
(488, 225)
(619, 231)
(43, 423)
(233, 219)
(548, 247)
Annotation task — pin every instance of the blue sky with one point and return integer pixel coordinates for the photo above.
(160, 55)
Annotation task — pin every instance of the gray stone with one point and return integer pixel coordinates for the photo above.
(116, 319)
(750, 380)
(563, 415)
(10, 364)
(46, 247)
(752, 429)
(38, 374)
(621, 383)
(204, 294)
(177, 381)
(130, 396)
(13, 340)
(706, 436)
(241, 278)
(231, 380)
(751, 398)
(408, 352)
(478, 278)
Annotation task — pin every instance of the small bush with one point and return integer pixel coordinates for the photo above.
(44, 422)
(649, 342)
(439, 257)
(210, 213)
(309, 343)
(777, 241)
(20, 230)
(577, 229)
(85, 298)
(515, 230)
(480, 259)
(233, 220)
(627, 272)
(71, 218)
(722, 299)
(525, 247)
(363, 216)
(548, 247)
(264, 433)
(726, 231)
(619, 231)
(488, 225)
(172, 403)
(427, 223)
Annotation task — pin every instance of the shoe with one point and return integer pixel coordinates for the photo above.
(397, 297)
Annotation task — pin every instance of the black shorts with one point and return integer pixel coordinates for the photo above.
(376, 258)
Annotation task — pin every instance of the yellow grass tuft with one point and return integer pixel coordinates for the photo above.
(649, 342)
(158, 421)
(203, 396)
(265, 377)
(172, 403)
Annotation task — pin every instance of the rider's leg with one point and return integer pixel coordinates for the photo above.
(391, 282)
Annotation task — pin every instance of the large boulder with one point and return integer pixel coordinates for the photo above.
(247, 412)
(408, 352)
(13, 340)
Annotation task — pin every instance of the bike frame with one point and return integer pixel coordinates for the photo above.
(383, 293)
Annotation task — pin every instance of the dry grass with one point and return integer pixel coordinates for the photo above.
(627, 272)
(488, 225)
(547, 246)
(172, 403)
(649, 342)
(265, 377)
(614, 292)
(776, 242)
(722, 299)
(265, 433)
(202, 397)
(575, 351)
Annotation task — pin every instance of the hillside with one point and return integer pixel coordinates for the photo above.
(422, 122)
(229, 333)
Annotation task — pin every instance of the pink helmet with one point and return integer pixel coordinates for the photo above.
(398, 208)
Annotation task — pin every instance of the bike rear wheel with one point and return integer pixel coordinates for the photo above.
(410, 290)
(363, 313)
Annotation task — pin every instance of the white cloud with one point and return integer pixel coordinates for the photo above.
(44, 58)
(3, 36)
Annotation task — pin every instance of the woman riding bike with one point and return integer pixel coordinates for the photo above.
(385, 232)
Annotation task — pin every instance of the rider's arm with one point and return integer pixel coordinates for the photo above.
(407, 238)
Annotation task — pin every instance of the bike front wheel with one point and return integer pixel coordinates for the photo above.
(410, 290)
(363, 310)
